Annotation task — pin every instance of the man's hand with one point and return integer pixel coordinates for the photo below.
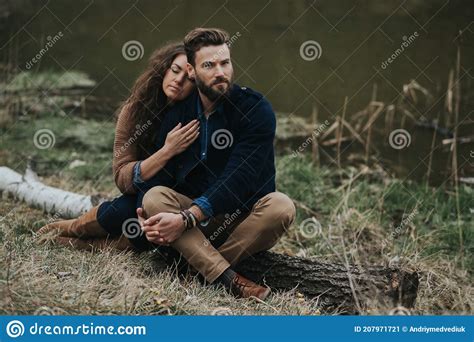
(163, 228)
(158, 239)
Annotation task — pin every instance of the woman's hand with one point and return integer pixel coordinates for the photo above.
(179, 138)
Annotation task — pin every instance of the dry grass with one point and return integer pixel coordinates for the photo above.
(358, 208)
(45, 279)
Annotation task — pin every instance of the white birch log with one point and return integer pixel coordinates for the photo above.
(28, 188)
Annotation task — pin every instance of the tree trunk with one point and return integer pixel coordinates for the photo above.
(29, 189)
(348, 289)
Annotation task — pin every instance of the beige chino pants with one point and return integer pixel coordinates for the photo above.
(245, 234)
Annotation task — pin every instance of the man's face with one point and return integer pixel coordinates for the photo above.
(213, 71)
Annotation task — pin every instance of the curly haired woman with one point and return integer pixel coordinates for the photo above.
(163, 83)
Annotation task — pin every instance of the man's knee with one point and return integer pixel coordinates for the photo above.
(155, 200)
(279, 211)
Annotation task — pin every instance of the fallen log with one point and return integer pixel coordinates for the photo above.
(30, 189)
(338, 288)
(347, 289)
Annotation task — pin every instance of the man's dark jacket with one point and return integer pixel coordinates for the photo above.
(233, 177)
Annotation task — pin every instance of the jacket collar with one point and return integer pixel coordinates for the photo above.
(223, 109)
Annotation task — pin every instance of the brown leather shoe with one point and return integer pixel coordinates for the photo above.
(84, 226)
(245, 288)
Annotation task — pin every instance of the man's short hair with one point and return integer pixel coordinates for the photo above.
(201, 37)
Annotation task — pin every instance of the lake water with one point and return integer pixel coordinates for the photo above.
(353, 41)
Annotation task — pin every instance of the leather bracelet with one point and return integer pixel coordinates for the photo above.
(189, 219)
(185, 220)
(192, 217)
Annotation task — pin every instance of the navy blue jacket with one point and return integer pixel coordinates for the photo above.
(233, 167)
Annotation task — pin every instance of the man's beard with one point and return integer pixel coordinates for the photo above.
(212, 94)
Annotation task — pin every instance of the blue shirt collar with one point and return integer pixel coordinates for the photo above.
(200, 111)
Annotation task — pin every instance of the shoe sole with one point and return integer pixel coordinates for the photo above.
(266, 293)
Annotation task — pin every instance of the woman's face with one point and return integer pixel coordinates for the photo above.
(176, 84)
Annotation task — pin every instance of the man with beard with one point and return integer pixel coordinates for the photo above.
(216, 202)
